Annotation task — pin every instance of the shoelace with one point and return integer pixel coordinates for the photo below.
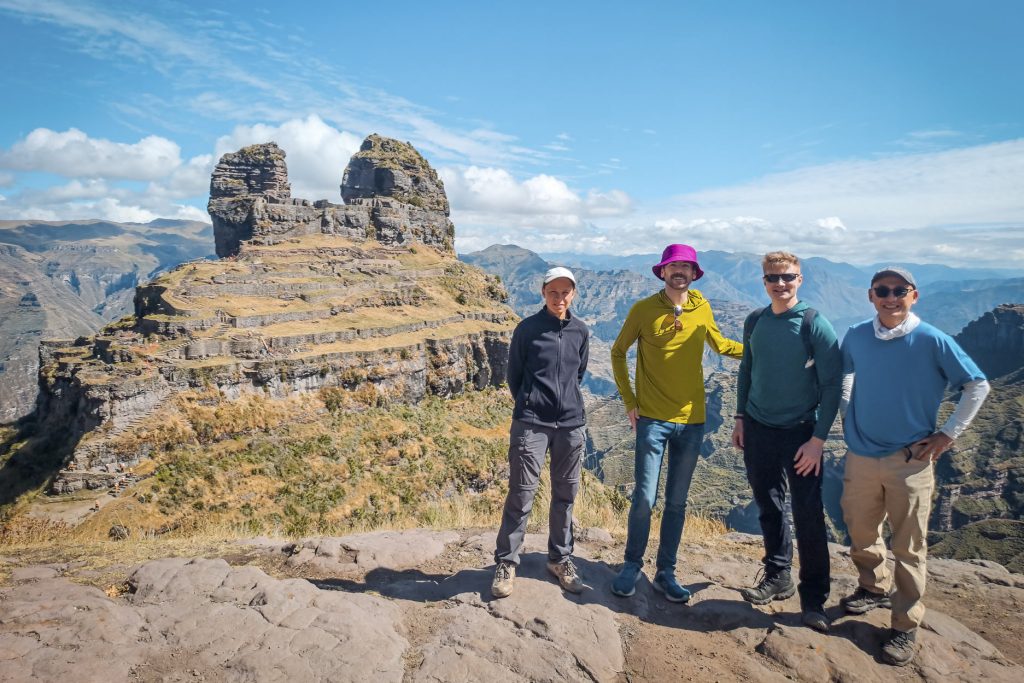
(760, 578)
(504, 571)
(569, 570)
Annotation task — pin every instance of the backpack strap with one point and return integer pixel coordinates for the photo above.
(805, 331)
(750, 323)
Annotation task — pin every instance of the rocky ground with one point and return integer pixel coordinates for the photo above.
(416, 606)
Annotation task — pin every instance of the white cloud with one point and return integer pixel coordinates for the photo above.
(317, 153)
(495, 192)
(959, 207)
(72, 154)
(979, 184)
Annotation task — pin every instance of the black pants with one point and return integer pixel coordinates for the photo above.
(769, 456)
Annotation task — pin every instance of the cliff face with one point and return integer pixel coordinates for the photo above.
(64, 279)
(996, 340)
(313, 296)
(983, 478)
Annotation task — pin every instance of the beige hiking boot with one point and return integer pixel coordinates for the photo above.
(504, 577)
(567, 576)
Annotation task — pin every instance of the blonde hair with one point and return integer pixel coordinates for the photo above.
(779, 258)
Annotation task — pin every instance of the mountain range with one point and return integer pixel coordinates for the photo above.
(66, 279)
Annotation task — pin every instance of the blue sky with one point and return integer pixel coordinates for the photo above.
(855, 131)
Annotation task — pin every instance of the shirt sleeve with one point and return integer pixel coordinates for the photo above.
(516, 360)
(743, 379)
(967, 408)
(846, 393)
(828, 364)
(628, 335)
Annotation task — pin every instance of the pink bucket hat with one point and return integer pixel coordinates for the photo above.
(678, 252)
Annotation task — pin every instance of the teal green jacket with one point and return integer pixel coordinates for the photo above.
(776, 387)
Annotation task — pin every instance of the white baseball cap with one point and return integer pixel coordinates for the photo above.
(557, 272)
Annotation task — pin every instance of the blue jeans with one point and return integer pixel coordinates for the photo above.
(683, 441)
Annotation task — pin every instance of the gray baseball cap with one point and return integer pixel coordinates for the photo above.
(895, 271)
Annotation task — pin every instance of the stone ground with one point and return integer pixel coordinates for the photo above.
(416, 606)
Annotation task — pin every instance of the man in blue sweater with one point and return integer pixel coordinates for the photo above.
(546, 362)
(787, 398)
(896, 370)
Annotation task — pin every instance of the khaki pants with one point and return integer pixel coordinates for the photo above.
(876, 488)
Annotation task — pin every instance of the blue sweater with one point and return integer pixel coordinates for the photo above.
(898, 385)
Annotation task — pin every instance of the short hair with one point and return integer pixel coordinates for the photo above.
(779, 258)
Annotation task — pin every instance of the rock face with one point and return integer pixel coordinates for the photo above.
(996, 340)
(313, 296)
(391, 195)
(65, 279)
(415, 606)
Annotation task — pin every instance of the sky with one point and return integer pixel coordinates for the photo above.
(859, 132)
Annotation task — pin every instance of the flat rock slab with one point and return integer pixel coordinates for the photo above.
(416, 606)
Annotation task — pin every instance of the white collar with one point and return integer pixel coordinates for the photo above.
(903, 329)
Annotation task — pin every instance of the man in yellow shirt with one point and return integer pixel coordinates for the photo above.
(667, 408)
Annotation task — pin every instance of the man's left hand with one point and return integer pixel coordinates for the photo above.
(808, 457)
(931, 447)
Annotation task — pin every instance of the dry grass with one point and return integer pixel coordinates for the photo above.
(226, 470)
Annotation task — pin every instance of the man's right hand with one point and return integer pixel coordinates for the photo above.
(632, 415)
(737, 435)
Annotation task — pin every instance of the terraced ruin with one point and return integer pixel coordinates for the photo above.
(365, 299)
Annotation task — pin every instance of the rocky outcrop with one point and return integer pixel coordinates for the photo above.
(314, 296)
(391, 195)
(416, 606)
(996, 340)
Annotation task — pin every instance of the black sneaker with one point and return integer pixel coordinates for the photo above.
(898, 649)
(862, 600)
(776, 585)
(815, 617)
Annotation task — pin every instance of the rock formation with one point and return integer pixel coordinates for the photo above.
(391, 195)
(996, 340)
(415, 606)
(366, 298)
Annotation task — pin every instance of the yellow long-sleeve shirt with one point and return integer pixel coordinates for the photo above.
(669, 376)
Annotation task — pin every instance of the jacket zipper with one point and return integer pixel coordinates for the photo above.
(558, 372)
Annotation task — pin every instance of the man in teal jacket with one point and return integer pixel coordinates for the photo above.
(787, 398)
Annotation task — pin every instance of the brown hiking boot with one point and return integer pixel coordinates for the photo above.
(504, 577)
(567, 576)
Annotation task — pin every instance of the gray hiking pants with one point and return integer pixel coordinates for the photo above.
(528, 445)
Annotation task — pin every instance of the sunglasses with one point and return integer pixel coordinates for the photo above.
(677, 311)
(785, 277)
(883, 292)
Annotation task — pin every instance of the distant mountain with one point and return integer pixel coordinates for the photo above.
(65, 279)
(950, 296)
(951, 305)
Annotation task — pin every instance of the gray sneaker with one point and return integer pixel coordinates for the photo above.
(774, 585)
(898, 649)
(504, 577)
(567, 576)
(862, 600)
